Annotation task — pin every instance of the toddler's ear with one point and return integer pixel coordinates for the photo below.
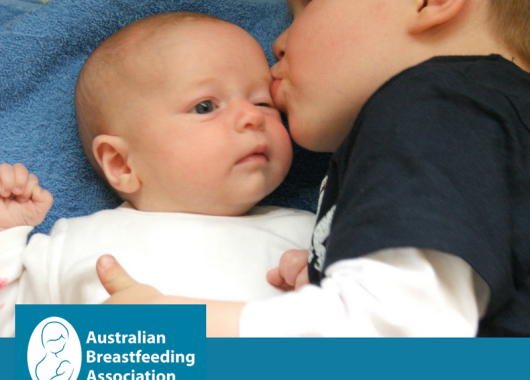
(434, 12)
(112, 154)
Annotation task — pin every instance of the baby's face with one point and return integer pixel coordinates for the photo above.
(203, 133)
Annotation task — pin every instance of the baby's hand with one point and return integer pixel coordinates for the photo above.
(22, 201)
(292, 271)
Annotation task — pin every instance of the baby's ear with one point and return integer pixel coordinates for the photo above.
(112, 153)
(431, 13)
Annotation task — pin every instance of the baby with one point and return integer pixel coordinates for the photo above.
(174, 112)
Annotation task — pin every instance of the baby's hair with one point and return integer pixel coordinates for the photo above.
(93, 90)
(511, 23)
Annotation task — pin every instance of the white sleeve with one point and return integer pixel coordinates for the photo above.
(402, 292)
(12, 245)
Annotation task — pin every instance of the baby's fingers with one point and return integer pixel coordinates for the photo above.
(13, 179)
(21, 179)
(31, 186)
(42, 199)
(7, 180)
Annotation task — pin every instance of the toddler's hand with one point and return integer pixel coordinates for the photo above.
(292, 271)
(122, 288)
(22, 201)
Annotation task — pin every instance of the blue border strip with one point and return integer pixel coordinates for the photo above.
(350, 358)
(324, 358)
(7, 358)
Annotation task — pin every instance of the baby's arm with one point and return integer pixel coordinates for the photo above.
(23, 204)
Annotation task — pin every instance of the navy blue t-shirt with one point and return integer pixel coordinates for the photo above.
(439, 158)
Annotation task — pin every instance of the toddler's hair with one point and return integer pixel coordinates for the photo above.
(511, 22)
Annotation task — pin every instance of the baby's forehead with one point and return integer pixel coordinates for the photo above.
(145, 54)
(155, 46)
(183, 27)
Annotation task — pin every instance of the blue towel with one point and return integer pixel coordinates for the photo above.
(42, 49)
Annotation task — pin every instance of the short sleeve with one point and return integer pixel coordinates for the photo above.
(426, 166)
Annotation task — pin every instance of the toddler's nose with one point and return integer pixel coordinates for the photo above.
(278, 48)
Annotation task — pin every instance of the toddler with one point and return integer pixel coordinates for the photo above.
(174, 112)
(423, 221)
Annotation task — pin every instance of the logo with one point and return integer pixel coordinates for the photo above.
(54, 351)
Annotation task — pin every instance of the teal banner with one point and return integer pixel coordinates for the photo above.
(7, 358)
(158, 342)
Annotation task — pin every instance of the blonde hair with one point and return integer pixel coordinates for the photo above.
(511, 23)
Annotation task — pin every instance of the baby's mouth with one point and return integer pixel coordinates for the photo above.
(258, 154)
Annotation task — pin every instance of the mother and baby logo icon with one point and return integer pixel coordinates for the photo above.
(54, 351)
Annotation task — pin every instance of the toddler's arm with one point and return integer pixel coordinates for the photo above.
(23, 204)
(396, 292)
(222, 316)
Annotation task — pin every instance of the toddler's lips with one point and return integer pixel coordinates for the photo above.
(274, 89)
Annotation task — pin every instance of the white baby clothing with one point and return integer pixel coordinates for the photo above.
(201, 256)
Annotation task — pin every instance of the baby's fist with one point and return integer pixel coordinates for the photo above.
(22, 201)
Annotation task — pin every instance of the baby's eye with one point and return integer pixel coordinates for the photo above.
(206, 106)
(264, 105)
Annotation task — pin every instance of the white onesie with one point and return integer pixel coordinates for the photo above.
(202, 256)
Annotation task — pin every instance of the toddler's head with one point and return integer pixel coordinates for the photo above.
(337, 53)
(174, 111)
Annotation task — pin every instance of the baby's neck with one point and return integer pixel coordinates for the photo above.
(235, 211)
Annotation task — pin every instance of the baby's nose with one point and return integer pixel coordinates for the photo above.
(249, 117)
